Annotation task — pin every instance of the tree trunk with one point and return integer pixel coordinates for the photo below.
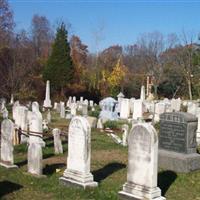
(190, 89)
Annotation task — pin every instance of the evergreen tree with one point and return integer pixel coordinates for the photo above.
(59, 69)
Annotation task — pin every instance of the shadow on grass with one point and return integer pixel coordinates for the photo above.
(165, 180)
(8, 187)
(107, 170)
(48, 138)
(50, 169)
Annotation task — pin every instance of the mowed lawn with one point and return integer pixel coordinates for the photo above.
(108, 165)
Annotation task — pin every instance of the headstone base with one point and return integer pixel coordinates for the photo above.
(178, 162)
(71, 178)
(8, 166)
(136, 192)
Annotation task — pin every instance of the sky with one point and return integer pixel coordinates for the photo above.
(112, 22)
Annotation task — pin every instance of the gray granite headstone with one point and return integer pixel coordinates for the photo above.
(177, 142)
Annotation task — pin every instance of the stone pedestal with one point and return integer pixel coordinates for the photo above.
(8, 165)
(137, 192)
(178, 162)
(78, 179)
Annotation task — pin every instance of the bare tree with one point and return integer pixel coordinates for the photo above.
(42, 36)
(149, 47)
(6, 23)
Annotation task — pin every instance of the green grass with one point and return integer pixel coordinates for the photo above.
(108, 164)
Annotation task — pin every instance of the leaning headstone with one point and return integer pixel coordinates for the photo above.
(7, 133)
(177, 142)
(142, 165)
(47, 101)
(58, 149)
(35, 144)
(79, 155)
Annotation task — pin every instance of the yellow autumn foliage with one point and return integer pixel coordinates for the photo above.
(117, 75)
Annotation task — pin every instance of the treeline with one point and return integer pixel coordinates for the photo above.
(29, 58)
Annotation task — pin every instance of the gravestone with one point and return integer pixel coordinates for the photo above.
(35, 143)
(47, 101)
(7, 133)
(177, 142)
(138, 109)
(142, 165)
(125, 108)
(62, 109)
(125, 129)
(84, 109)
(58, 149)
(79, 155)
(142, 93)
(108, 111)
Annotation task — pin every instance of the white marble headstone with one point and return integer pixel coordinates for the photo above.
(79, 154)
(142, 164)
(7, 133)
(58, 149)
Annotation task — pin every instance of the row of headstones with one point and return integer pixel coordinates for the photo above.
(124, 107)
(35, 144)
(142, 160)
(70, 109)
(142, 157)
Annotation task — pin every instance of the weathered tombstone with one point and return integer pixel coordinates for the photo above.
(125, 108)
(176, 104)
(177, 142)
(7, 133)
(47, 101)
(108, 112)
(55, 105)
(58, 149)
(142, 165)
(99, 124)
(92, 121)
(23, 122)
(14, 109)
(81, 99)
(35, 143)
(142, 93)
(62, 109)
(160, 108)
(74, 99)
(79, 155)
(84, 109)
(138, 109)
(192, 108)
(73, 109)
(125, 134)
